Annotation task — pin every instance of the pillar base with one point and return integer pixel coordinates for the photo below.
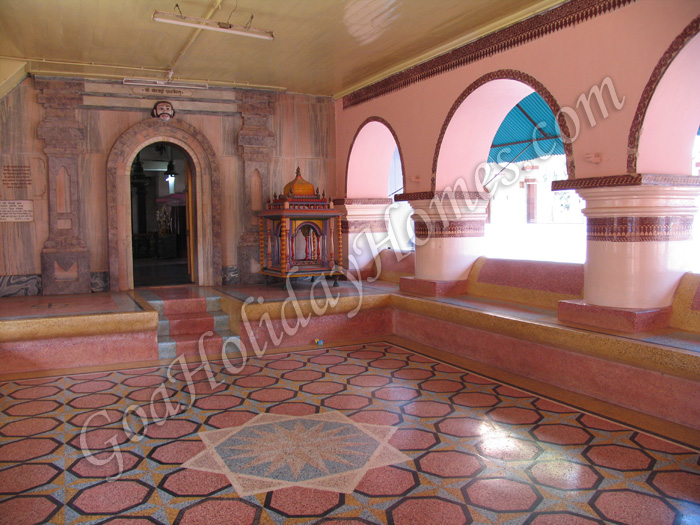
(432, 288)
(65, 271)
(248, 259)
(627, 320)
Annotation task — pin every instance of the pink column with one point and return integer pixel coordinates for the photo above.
(449, 230)
(364, 232)
(638, 248)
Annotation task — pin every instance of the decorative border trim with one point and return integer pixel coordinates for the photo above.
(396, 140)
(635, 179)
(357, 226)
(640, 229)
(452, 229)
(429, 195)
(678, 43)
(20, 285)
(99, 282)
(537, 86)
(538, 26)
(229, 275)
(368, 201)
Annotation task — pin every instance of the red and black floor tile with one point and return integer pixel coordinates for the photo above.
(369, 433)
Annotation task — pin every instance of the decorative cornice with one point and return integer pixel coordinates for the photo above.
(357, 226)
(429, 195)
(631, 179)
(448, 229)
(566, 15)
(367, 201)
(679, 42)
(640, 229)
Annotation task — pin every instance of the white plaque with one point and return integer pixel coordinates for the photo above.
(16, 211)
(164, 91)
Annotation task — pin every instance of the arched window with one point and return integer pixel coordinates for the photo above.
(527, 220)
(400, 216)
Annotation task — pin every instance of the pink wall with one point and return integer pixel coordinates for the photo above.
(471, 130)
(673, 117)
(624, 45)
(370, 160)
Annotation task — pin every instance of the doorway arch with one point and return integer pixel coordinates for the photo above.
(207, 202)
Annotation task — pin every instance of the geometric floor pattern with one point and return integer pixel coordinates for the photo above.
(328, 451)
(417, 441)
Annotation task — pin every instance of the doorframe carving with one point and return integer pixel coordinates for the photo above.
(207, 182)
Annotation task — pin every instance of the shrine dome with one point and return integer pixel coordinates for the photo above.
(299, 187)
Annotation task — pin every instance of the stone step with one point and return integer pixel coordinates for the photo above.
(200, 301)
(193, 323)
(170, 347)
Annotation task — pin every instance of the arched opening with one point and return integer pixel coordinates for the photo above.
(369, 163)
(504, 136)
(668, 115)
(162, 216)
(665, 136)
(375, 170)
(204, 199)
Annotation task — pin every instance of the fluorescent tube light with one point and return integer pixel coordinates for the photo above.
(164, 83)
(204, 23)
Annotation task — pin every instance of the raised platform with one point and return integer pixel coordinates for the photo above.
(49, 332)
(652, 377)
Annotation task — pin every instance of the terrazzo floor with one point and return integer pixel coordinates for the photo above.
(368, 433)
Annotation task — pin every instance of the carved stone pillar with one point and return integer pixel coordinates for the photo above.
(255, 143)
(65, 259)
(638, 248)
(449, 229)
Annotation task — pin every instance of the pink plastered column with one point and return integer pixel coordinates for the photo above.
(449, 228)
(365, 232)
(638, 247)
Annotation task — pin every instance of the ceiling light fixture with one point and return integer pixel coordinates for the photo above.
(154, 82)
(204, 23)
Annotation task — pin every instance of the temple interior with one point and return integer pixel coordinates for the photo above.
(381, 263)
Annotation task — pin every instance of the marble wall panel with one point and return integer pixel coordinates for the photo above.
(93, 211)
(283, 126)
(229, 274)
(314, 126)
(99, 281)
(19, 285)
(22, 242)
(303, 128)
(19, 116)
(230, 126)
(231, 214)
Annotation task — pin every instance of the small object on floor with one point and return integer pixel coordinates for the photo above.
(319, 342)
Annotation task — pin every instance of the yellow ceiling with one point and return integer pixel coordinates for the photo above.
(322, 47)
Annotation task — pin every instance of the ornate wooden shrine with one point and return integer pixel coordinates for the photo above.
(300, 233)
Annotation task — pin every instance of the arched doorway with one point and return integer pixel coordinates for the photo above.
(162, 216)
(205, 198)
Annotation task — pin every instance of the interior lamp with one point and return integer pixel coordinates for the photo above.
(170, 173)
(205, 23)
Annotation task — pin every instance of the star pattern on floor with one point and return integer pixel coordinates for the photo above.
(326, 451)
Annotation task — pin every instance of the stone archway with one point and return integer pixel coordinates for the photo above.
(207, 198)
